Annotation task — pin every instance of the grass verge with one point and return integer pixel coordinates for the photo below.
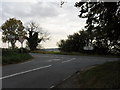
(101, 76)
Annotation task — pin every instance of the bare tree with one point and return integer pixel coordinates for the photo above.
(35, 35)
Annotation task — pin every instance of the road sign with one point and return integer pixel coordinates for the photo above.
(85, 48)
(11, 37)
(88, 47)
(21, 39)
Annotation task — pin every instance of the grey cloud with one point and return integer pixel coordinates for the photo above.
(26, 10)
(15, 9)
(45, 9)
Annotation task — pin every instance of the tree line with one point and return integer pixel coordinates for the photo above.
(102, 30)
(14, 30)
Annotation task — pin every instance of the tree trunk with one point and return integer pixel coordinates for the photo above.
(13, 44)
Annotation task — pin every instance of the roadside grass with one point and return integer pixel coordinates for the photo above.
(102, 76)
(72, 53)
(13, 56)
(48, 52)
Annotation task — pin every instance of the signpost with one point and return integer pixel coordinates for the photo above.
(10, 37)
(21, 39)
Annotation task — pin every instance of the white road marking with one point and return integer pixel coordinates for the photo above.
(24, 72)
(52, 86)
(53, 60)
(67, 78)
(69, 60)
(44, 56)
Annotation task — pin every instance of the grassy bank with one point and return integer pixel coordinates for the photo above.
(14, 56)
(102, 76)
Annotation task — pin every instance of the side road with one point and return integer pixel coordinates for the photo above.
(46, 70)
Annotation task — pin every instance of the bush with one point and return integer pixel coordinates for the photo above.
(10, 56)
(6, 52)
(23, 50)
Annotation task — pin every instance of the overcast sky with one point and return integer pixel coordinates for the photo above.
(59, 22)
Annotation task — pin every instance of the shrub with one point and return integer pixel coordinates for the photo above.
(10, 56)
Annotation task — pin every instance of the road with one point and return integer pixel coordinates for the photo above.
(46, 70)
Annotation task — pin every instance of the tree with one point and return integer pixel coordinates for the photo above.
(12, 29)
(35, 35)
(103, 22)
(75, 42)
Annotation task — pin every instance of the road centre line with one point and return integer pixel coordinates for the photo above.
(25, 72)
(69, 60)
(54, 60)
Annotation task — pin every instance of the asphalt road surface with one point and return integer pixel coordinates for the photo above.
(46, 70)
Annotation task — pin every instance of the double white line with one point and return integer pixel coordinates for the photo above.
(25, 72)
